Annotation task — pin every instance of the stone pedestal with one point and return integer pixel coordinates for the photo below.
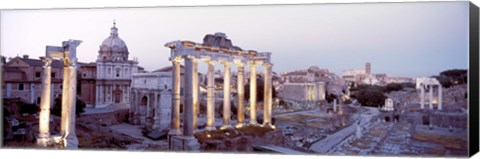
(184, 143)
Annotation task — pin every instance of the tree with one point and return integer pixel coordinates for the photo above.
(57, 106)
(260, 90)
(393, 87)
(370, 97)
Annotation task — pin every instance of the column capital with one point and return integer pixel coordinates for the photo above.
(192, 58)
(268, 64)
(225, 62)
(176, 59)
(47, 62)
(239, 63)
(210, 61)
(252, 63)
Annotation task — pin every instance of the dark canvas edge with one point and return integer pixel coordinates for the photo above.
(473, 80)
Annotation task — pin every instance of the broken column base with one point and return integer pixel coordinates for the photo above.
(50, 142)
(184, 143)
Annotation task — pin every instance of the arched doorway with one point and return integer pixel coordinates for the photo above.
(117, 95)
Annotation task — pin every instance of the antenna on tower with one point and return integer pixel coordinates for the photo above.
(114, 23)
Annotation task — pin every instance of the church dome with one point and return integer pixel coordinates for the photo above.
(113, 48)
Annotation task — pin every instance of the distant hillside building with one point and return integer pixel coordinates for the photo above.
(365, 76)
(310, 85)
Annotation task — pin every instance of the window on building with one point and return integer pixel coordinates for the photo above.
(108, 71)
(53, 74)
(37, 74)
(118, 72)
(181, 91)
(21, 87)
(60, 87)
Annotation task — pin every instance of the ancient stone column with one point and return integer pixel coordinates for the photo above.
(253, 93)
(440, 99)
(226, 95)
(241, 95)
(195, 93)
(422, 97)
(45, 104)
(334, 105)
(69, 93)
(156, 116)
(175, 121)
(210, 96)
(430, 97)
(267, 97)
(188, 110)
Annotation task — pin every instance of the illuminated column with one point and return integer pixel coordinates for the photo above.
(210, 95)
(253, 93)
(240, 94)
(188, 109)
(267, 98)
(175, 122)
(422, 97)
(68, 104)
(226, 95)
(195, 93)
(45, 103)
(440, 99)
(430, 97)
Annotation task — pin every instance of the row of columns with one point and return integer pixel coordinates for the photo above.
(430, 97)
(191, 87)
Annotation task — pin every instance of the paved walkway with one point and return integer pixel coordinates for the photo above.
(329, 142)
(107, 109)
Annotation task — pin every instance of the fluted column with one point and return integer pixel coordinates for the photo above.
(188, 110)
(210, 96)
(175, 122)
(267, 98)
(440, 99)
(240, 95)
(253, 93)
(422, 97)
(226, 95)
(45, 103)
(195, 88)
(430, 97)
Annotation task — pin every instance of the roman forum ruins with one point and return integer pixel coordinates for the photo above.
(424, 82)
(215, 48)
(67, 138)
